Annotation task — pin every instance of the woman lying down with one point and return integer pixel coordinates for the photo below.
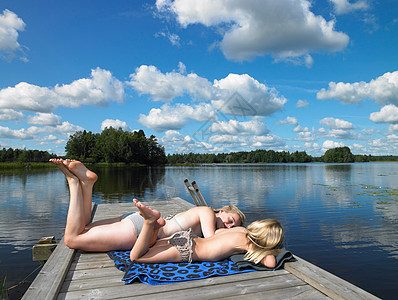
(261, 242)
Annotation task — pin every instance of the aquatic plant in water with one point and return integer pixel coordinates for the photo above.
(3, 287)
(383, 195)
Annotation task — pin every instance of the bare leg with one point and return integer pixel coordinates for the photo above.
(87, 179)
(75, 221)
(105, 235)
(149, 232)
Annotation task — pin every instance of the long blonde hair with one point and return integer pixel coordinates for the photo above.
(266, 238)
(232, 209)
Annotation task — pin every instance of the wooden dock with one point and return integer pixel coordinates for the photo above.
(71, 274)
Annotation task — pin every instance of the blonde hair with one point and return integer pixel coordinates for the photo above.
(266, 238)
(232, 209)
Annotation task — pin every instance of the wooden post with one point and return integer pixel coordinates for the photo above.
(199, 194)
(44, 248)
(191, 191)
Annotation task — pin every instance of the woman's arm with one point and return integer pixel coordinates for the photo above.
(207, 219)
(161, 252)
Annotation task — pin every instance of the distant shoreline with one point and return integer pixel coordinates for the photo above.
(48, 165)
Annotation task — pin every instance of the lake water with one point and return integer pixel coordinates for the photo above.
(341, 217)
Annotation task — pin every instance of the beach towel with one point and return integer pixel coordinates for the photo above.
(165, 273)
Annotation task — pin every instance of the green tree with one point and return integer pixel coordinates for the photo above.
(115, 145)
(338, 155)
(80, 145)
(157, 155)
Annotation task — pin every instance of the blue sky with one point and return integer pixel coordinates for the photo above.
(202, 76)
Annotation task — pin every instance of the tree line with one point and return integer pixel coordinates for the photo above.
(115, 146)
(257, 156)
(17, 155)
(118, 146)
(336, 155)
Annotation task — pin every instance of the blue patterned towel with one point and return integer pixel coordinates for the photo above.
(165, 273)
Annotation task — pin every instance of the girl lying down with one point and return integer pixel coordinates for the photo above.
(261, 242)
(120, 233)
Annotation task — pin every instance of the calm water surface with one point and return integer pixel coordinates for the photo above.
(341, 217)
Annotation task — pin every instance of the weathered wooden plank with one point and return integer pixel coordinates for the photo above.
(228, 289)
(182, 203)
(216, 287)
(300, 292)
(48, 282)
(93, 273)
(43, 251)
(50, 278)
(106, 263)
(91, 283)
(327, 283)
(90, 256)
(203, 288)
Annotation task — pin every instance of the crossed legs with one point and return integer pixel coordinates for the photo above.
(147, 249)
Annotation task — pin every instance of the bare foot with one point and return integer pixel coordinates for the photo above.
(85, 175)
(68, 174)
(149, 214)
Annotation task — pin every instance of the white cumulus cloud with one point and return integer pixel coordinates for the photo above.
(342, 134)
(284, 28)
(267, 141)
(344, 6)
(10, 25)
(225, 139)
(115, 124)
(299, 128)
(172, 137)
(305, 136)
(166, 87)
(331, 144)
(174, 117)
(335, 123)
(234, 127)
(28, 97)
(393, 128)
(387, 114)
(242, 95)
(10, 115)
(48, 119)
(238, 95)
(302, 103)
(97, 90)
(65, 128)
(383, 90)
(18, 134)
(288, 121)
